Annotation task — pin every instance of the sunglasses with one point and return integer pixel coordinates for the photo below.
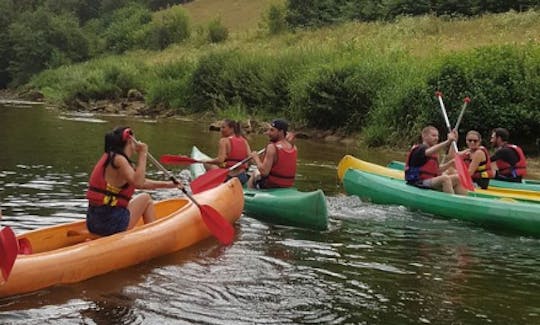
(473, 140)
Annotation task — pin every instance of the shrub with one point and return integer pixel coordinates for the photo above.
(217, 33)
(167, 27)
(275, 19)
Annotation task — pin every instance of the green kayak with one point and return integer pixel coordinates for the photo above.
(519, 217)
(527, 184)
(283, 206)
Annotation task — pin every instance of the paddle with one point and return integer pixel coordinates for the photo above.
(178, 160)
(8, 251)
(215, 177)
(216, 223)
(466, 101)
(464, 177)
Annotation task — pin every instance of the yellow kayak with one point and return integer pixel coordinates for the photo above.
(510, 194)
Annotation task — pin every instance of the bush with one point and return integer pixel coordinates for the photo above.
(170, 86)
(275, 19)
(336, 96)
(217, 33)
(167, 27)
(124, 24)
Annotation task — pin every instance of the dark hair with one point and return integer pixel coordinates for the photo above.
(235, 125)
(115, 141)
(503, 133)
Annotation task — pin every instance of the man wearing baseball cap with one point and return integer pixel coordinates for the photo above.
(278, 165)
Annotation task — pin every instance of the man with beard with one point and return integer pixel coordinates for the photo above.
(508, 158)
(277, 169)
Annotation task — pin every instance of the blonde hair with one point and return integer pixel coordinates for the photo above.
(475, 133)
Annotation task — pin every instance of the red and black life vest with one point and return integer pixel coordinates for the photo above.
(428, 170)
(238, 152)
(283, 170)
(484, 169)
(519, 169)
(101, 193)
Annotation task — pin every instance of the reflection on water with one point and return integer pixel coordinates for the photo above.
(374, 265)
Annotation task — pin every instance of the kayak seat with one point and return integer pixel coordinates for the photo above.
(25, 247)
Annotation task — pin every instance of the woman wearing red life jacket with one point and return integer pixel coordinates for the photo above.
(277, 169)
(111, 205)
(233, 148)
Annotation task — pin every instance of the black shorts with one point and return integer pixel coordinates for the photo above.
(107, 220)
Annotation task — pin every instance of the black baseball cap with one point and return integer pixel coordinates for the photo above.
(280, 125)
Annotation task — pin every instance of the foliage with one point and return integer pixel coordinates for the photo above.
(336, 96)
(216, 31)
(314, 13)
(275, 19)
(125, 23)
(40, 40)
(167, 27)
(171, 85)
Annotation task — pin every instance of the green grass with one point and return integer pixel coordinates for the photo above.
(236, 15)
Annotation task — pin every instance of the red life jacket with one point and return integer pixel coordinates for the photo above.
(238, 152)
(428, 170)
(484, 169)
(101, 193)
(519, 169)
(284, 169)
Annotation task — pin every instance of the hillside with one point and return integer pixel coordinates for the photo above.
(236, 15)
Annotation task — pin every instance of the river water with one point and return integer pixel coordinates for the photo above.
(375, 265)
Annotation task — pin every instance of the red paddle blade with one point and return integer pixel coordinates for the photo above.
(8, 251)
(464, 177)
(217, 224)
(209, 180)
(177, 160)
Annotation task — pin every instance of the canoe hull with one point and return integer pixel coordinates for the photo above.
(526, 185)
(523, 218)
(286, 206)
(82, 256)
(355, 163)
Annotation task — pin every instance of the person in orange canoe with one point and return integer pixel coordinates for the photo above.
(509, 159)
(278, 165)
(111, 205)
(233, 148)
(422, 167)
(477, 159)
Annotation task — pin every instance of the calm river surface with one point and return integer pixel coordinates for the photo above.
(375, 265)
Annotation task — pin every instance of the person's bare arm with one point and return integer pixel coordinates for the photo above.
(265, 165)
(133, 177)
(222, 152)
(477, 158)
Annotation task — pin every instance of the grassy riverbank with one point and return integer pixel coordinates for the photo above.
(377, 79)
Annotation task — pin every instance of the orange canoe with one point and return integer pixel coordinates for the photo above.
(67, 253)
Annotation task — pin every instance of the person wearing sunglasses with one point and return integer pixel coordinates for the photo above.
(477, 159)
(112, 208)
(508, 158)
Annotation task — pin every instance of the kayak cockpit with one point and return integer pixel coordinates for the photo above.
(65, 235)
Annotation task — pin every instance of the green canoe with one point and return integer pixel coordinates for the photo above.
(527, 184)
(283, 206)
(518, 217)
